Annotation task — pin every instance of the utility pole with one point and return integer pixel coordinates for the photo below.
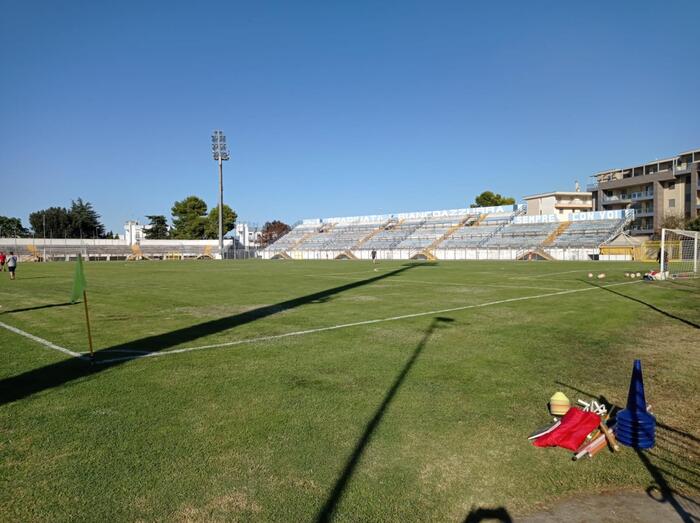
(220, 153)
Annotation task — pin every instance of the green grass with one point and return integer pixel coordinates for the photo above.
(411, 419)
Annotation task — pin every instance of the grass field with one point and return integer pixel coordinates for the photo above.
(328, 390)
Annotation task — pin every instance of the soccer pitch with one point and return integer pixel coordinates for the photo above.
(303, 391)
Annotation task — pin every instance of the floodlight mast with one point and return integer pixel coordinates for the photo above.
(220, 152)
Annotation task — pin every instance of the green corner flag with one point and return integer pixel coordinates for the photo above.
(79, 283)
(79, 286)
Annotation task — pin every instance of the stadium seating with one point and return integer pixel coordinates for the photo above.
(340, 237)
(393, 234)
(495, 232)
(586, 234)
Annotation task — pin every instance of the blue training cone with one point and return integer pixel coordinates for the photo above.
(636, 428)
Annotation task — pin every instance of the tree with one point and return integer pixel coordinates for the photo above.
(489, 199)
(673, 221)
(80, 221)
(189, 219)
(272, 231)
(54, 222)
(12, 227)
(158, 228)
(212, 227)
(85, 222)
(693, 225)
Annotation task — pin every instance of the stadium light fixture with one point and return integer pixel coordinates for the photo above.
(219, 150)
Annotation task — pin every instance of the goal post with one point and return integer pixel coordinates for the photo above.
(679, 254)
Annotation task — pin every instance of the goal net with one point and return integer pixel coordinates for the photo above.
(679, 256)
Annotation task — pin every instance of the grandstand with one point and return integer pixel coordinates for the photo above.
(476, 233)
(38, 249)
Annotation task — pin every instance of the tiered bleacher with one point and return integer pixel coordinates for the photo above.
(518, 236)
(341, 236)
(587, 234)
(68, 249)
(481, 233)
(395, 232)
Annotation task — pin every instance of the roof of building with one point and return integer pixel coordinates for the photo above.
(559, 193)
(651, 162)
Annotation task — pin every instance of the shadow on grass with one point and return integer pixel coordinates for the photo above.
(326, 512)
(39, 307)
(65, 371)
(642, 302)
(499, 514)
(660, 484)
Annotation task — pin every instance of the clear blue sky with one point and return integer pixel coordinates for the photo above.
(335, 108)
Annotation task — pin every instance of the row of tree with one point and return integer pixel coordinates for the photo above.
(190, 221)
(80, 220)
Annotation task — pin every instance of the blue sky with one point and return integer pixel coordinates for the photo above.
(335, 108)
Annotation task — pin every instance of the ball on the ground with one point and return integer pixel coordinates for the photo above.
(590, 275)
(627, 275)
(601, 276)
(639, 274)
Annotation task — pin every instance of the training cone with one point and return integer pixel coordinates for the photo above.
(636, 428)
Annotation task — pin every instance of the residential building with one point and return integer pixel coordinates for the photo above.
(559, 202)
(655, 190)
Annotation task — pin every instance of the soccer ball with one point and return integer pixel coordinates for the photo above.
(639, 275)
(601, 276)
(590, 275)
(627, 275)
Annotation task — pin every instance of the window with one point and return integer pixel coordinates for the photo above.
(672, 202)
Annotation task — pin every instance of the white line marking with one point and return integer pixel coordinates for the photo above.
(472, 285)
(356, 324)
(41, 341)
(546, 275)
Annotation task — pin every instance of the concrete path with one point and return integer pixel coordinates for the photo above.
(638, 507)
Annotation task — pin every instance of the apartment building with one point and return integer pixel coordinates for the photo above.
(655, 190)
(559, 202)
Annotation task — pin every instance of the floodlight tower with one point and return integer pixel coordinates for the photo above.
(220, 152)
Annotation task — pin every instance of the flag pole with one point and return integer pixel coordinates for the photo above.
(87, 322)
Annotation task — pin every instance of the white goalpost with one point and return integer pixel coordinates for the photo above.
(680, 253)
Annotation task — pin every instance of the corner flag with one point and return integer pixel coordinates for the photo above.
(79, 287)
(79, 283)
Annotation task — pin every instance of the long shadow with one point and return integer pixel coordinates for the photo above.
(642, 302)
(328, 509)
(64, 371)
(478, 514)
(668, 494)
(659, 424)
(663, 486)
(38, 307)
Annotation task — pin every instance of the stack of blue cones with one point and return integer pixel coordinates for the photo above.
(636, 428)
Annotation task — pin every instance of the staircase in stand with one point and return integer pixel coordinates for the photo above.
(373, 234)
(536, 254)
(428, 251)
(137, 253)
(549, 240)
(324, 228)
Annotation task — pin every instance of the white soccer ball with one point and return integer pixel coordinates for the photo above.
(639, 275)
(590, 275)
(601, 276)
(627, 275)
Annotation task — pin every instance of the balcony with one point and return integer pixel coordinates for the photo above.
(616, 199)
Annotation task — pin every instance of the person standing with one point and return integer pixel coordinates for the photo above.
(2, 261)
(12, 265)
(374, 256)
